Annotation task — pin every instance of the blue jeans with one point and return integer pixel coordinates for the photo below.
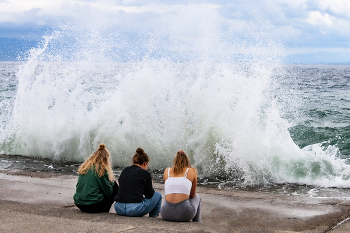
(151, 206)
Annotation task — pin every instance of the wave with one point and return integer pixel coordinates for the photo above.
(225, 115)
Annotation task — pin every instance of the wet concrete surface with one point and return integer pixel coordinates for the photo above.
(32, 202)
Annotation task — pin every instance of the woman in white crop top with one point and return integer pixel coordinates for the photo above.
(182, 204)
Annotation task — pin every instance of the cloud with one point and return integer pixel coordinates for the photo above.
(293, 23)
(316, 18)
(340, 8)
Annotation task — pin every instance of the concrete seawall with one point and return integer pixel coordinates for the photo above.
(40, 202)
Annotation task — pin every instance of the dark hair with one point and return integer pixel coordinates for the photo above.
(181, 161)
(140, 157)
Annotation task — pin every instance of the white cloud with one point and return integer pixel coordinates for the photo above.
(18, 12)
(336, 7)
(148, 8)
(15, 11)
(316, 18)
(284, 21)
(333, 18)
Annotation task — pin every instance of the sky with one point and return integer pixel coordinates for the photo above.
(305, 31)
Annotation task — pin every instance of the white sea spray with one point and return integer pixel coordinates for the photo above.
(189, 88)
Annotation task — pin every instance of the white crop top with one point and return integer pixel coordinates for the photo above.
(177, 184)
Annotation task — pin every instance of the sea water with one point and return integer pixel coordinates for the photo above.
(233, 125)
(244, 117)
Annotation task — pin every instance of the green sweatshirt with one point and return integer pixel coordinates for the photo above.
(92, 189)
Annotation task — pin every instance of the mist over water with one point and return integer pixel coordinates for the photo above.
(180, 79)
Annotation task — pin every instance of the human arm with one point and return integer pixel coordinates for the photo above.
(148, 188)
(165, 175)
(105, 185)
(194, 184)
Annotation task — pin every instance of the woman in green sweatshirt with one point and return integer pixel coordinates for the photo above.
(96, 185)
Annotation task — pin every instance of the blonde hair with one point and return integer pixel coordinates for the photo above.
(181, 161)
(100, 161)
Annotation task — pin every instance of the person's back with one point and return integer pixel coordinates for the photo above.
(182, 204)
(136, 196)
(134, 183)
(96, 188)
(88, 188)
(178, 186)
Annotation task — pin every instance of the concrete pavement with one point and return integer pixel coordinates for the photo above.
(39, 202)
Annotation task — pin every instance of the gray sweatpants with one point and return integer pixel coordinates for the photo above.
(185, 211)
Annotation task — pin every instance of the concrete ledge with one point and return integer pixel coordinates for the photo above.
(32, 204)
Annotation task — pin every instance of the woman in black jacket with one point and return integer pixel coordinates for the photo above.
(136, 196)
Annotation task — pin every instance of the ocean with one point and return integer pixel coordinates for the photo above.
(246, 119)
(243, 125)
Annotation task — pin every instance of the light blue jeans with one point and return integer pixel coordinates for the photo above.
(151, 206)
